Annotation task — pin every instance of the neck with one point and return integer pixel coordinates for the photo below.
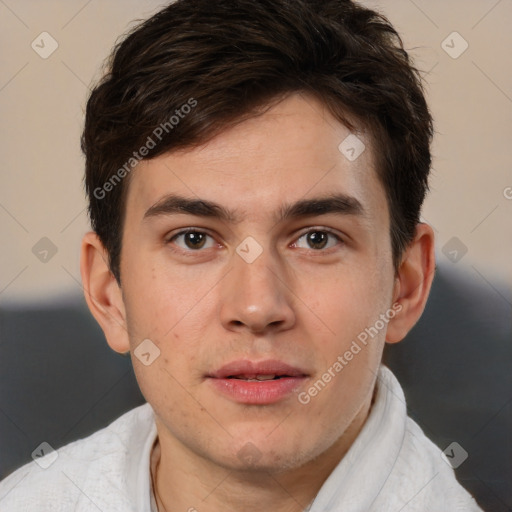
(197, 485)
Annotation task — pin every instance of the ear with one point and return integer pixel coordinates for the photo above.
(102, 293)
(412, 283)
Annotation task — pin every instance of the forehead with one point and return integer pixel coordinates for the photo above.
(293, 151)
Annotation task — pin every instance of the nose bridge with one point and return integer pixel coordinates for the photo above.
(255, 292)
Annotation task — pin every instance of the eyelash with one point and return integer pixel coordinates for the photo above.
(200, 231)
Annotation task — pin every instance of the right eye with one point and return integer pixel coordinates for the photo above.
(191, 240)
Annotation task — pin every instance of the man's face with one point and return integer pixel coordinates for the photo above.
(210, 298)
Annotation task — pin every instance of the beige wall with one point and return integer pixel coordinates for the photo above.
(41, 115)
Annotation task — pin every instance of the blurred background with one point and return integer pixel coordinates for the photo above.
(59, 380)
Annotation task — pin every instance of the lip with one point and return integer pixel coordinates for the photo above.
(257, 392)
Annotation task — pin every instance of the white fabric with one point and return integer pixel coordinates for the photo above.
(391, 467)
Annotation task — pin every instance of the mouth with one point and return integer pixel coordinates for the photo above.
(268, 369)
(258, 378)
(257, 383)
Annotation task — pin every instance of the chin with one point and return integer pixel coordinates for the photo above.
(266, 464)
(263, 455)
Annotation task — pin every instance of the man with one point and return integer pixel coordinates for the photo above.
(255, 172)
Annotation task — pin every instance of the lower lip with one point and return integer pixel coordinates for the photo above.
(260, 392)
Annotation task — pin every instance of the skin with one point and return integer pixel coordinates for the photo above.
(296, 302)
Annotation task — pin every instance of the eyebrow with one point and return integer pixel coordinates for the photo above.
(172, 204)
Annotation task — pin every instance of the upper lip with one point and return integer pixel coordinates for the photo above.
(266, 367)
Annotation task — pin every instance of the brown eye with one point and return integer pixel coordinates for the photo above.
(319, 239)
(191, 239)
(194, 240)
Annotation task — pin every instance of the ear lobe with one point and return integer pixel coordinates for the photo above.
(412, 283)
(102, 293)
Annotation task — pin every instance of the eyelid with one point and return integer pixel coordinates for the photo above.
(319, 228)
(186, 230)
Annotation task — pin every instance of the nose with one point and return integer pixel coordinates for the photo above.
(256, 296)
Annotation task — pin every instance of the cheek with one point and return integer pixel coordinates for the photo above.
(351, 306)
(356, 297)
(168, 310)
(352, 350)
(156, 298)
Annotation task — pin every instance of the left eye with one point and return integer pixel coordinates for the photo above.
(318, 239)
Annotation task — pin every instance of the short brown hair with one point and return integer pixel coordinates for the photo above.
(229, 58)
